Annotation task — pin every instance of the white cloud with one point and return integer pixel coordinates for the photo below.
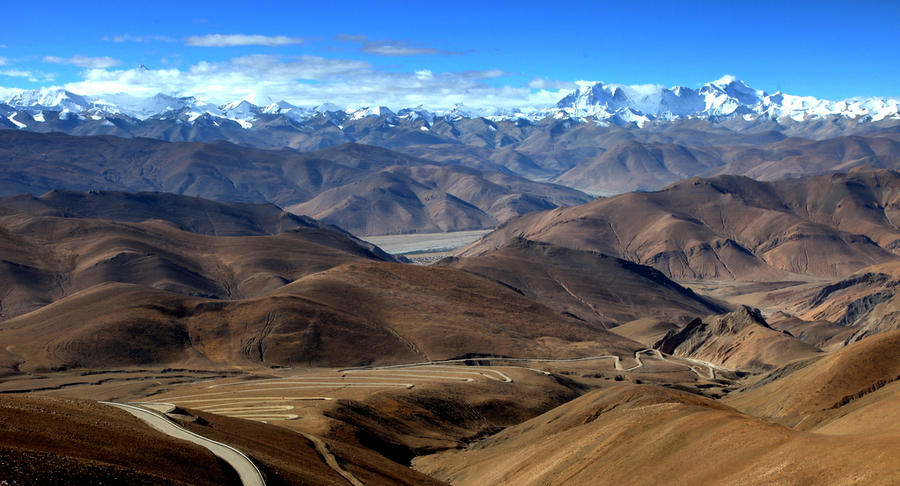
(644, 89)
(31, 76)
(541, 83)
(231, 40)
(84, 61)
(137, 38)
(396, 49)
(16, 73)
(486, 74)
(4, 61)
(351, 38)
(390, 48)
(221, 81)
(311, 80)
(6, 93)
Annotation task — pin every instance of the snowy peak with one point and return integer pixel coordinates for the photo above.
(605, 103)
(241, 110)
(143, 108)
(417, 113)
(377, 111)
(56, 99)
(724, 98)
(728, 88)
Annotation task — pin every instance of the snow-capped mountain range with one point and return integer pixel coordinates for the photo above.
(722, 99)
(719, 100)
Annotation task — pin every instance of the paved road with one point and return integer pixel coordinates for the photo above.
(249, 474)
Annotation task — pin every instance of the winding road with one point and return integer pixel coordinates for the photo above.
(275, 404)
(221, 397)
(247, 471)
(617, 363)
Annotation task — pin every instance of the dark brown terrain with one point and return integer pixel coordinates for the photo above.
(57, 441)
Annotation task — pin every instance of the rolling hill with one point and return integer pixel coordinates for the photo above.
(642, 165)
(351, 315)
(809, 394)
(46, 258)
(628, 433)
(430, 198)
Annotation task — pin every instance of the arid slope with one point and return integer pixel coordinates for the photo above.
(731, 227)
(738, 340)
(650, 435)
(589, 285)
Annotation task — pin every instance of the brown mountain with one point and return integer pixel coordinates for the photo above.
(730, 227)
(644, 165)
(588, 285)
(355, 314)
(191, 214)
(45, 258)
(638, 166)
(797, 157)
(430, 198)
(423, 196)
(36, 163)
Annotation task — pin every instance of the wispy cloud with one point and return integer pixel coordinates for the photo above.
(138, 38)
(232, 40)
(84, 61)
(398, 49)
(9, 92)
(4, 61)
(31, 76)
(351, 38)
(391, 48)
(543, 83)
(16, 73)
(221, 81)
(312, 80)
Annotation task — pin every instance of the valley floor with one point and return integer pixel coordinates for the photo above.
(425, 242)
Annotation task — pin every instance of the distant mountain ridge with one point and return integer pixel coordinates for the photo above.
(424, 196)
(719, 100)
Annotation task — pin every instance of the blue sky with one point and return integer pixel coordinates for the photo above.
(440, 53)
